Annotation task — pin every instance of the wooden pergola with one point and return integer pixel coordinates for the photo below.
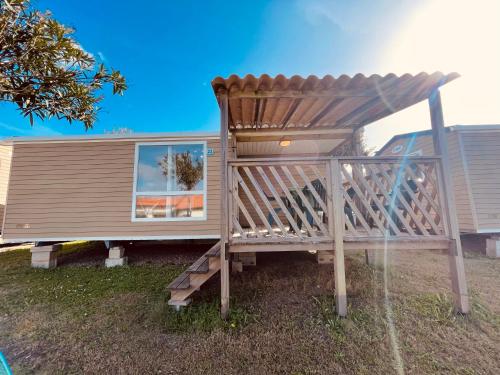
(311, 200)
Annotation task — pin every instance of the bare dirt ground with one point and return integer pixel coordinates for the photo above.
(83, 318)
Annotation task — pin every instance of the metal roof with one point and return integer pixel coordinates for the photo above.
(112, 137)
(328, 102)
(453, 128)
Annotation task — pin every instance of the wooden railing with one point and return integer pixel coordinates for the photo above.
(292, 200)
(391, 197)
(279, 200)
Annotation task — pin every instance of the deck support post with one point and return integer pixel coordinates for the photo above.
(369, 257)
(338, 235)
(224, 214)
(455, 256)
(493, 247)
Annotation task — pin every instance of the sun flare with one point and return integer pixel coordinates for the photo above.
(449, 36)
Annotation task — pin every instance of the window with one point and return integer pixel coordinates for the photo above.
(170, 182)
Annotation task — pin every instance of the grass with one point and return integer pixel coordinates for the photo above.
(78, 287)
(205, 317)
(81, 289)
(82, 317)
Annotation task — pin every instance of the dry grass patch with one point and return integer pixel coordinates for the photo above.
(88, 319)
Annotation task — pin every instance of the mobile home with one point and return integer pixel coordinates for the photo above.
(270, 180)
(111, 188)
(474, 157)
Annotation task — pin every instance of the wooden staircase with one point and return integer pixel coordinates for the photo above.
(195, 276)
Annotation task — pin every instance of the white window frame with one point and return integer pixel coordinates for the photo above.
(204, 191)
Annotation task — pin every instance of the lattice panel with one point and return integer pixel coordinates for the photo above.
(391, 199)
(279, 201)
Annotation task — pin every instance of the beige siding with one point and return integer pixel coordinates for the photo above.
(422, 144)
(482, 155)
(84, 190)
(5, 159)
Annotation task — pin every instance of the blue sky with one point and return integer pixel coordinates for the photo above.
(170, 50)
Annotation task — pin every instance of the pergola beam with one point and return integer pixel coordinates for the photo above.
(262, 135)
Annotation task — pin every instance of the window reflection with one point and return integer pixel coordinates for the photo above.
(170, 181)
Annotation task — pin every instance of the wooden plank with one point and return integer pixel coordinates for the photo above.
(339, 265)
(457, 269)
(256, 206)
(224, 257)
(374, 198)
(360, 195)
(423, 189)
(292, 201)
(247, 215)
(318, 160)
(264, 199)
(430, 243)
(350, 226)
(421, 195)
(359, 215)
(231, 200)
(280, 247)
(311, 188)
(329, 198)
(385, 193)
(236, 224)
(196, 280)
(235, 214)
(278, 199)
(200, 266)
(318, 175)
(402, 199)
(276, 135)
(180, 282)
(214, 250)
(418, 204)
(305, 201)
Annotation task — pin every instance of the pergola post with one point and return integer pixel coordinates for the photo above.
(338, 235)
(455, 256)
(224, 250)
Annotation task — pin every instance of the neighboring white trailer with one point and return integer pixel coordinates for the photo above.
(475, 162)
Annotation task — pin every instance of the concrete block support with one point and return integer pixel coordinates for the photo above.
(325, 257)
(236, 267)
(369, 257)
(248, 259)
(493, 247)
(115, 257)
(44, 256)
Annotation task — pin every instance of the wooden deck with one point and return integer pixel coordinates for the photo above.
(322, 202)
(293, 200)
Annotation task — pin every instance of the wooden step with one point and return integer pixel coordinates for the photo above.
(214, 251)
(200, 266)
(197, 280)
(196, 275)
(181, 282)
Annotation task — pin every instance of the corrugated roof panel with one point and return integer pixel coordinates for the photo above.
(299, 102)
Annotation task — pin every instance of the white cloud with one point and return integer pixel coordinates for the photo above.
(150, 178)
(101, 56)
(27, 130)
